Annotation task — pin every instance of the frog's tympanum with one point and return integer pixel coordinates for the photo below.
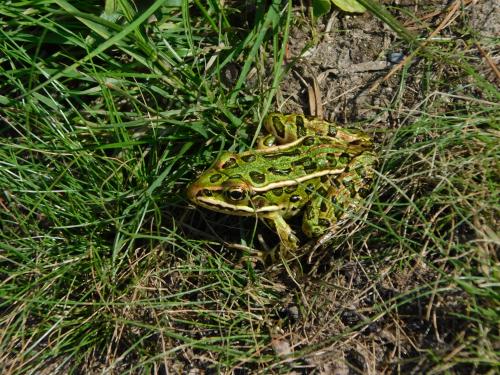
(306, 167)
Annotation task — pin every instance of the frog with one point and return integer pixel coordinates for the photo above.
(300, 166)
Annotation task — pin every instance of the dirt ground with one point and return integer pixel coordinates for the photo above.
(355, 53)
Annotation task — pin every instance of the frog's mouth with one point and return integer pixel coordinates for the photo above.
(246, 205)
(241, 210)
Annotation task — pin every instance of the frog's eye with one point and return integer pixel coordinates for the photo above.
(236, 194)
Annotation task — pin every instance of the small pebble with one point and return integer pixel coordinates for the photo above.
(396, 57)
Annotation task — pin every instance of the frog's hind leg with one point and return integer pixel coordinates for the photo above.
(323, 212)
(320, 215)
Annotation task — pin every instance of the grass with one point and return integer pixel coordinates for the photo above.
(107, 113)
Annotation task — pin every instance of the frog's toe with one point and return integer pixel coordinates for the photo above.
(281, 251)
(271, 256)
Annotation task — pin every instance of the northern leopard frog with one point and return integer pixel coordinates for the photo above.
(303, 166)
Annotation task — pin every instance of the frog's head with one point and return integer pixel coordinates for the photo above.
(231, 197)
(223, 188)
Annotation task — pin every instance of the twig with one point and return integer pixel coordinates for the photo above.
(489, 60)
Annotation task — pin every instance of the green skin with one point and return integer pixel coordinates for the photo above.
(304, 166)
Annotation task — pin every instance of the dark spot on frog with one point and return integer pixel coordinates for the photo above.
(344, 158)
(302, 161)
(230, 163)
(280, 172)
(248, 158)
(347, 184)
(290, 189)
(299, 120)
(310, 168)
(338, 212)
(295, 198)
(309, 189)
(272, 156)
(309, 212)
(350, 186)
(206, 193)
(215, 178)
(308, 141)
(259, 202)
(332, 160)
(257, 177)
(363, 193)
(278, 126)
(325, 178)
(301, 130)
(323, 206)
(322, 191)
(278, 192)
(278, 155)
(323, 223)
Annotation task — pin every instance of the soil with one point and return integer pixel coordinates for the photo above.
(485, 18)
(353, 55)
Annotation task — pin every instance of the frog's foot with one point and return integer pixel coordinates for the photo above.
(277, 254)
(266, 257)
(270, 256)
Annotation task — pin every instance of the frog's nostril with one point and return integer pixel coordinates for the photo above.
(205, 192)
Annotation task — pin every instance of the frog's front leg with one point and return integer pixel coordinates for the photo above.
(288, 241)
